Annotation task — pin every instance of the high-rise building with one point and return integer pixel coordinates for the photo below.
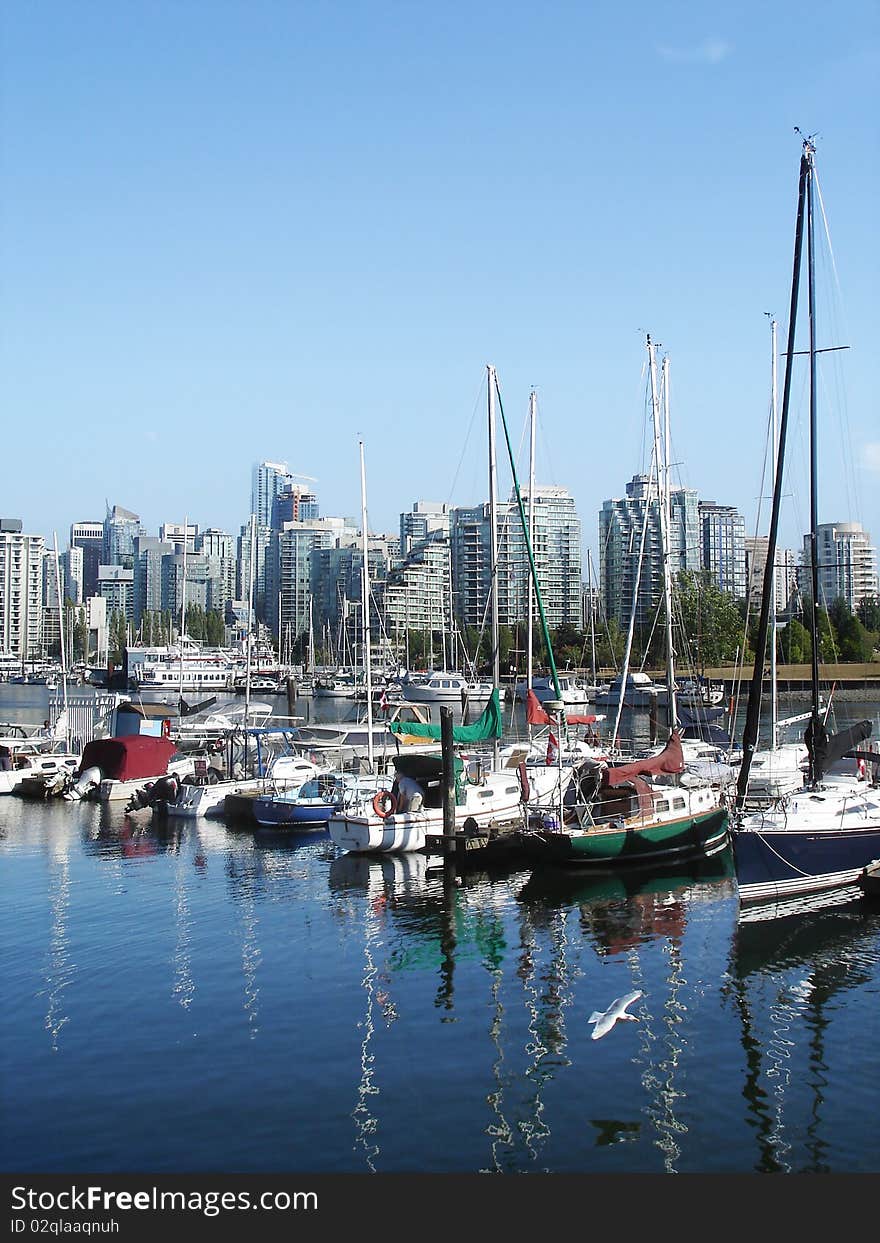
(785, 573)
(120, 528)
(89, 536)
(722, 547)
(72, 573)
(21, 590)
(219, 549)
(268, 481)
(417, 592)
(296, 577)
(173, 533)
(149, 553)
(625, 561)
(556, 548)
(116, 586)
(425, 518)
(846, 561)
(294, 504)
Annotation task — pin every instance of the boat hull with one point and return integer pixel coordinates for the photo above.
(784, 862)
(372, 834)
(279, 813)
(688, 836)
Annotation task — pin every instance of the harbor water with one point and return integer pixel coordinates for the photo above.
(199, 997)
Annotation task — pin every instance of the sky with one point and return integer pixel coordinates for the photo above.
(239, 231)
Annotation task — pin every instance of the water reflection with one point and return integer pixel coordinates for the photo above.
(60, 967)
(619, 911)
(784, 971)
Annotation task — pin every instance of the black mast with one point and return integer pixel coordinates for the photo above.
(817, 729)
(753, 711)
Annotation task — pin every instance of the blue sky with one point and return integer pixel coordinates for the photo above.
(240, 231)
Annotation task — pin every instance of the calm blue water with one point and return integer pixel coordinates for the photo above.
(198, 998)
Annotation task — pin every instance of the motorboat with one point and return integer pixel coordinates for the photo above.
(639, 691)
(308, 807)
(410, 816)
(113, 769)
(448, 688)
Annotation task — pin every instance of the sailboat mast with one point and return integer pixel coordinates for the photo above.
(815, 723)
(532, 415)
(663, 491)
(365, 613)
(774, 708)
(753, 710)
(247, 680)
(61, 637)
(592, 600)
(183, 606)
(493, 537)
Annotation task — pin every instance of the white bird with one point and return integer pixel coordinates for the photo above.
(605, 1020)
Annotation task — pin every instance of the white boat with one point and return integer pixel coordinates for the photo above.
(113, 769)
(639, 691)
(188, 667)
(197, 731)
(205, 795)
(441, 687)
(572, 691)
(38, 768)
(410, 816)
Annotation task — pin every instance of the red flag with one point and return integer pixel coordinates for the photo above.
(552, 748)
(383, 702)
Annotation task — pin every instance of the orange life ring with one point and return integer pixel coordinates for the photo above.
(384, 803)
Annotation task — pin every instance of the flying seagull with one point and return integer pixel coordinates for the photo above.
(617, 1010)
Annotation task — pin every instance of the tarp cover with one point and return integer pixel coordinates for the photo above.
(128, 758)
(670, 760)
(827, 748)
(535, 714)
(487, 725)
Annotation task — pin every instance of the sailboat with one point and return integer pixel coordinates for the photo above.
(651, 810)
(488, 798)
(821, 836)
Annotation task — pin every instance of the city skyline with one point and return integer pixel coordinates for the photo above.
(380, 206)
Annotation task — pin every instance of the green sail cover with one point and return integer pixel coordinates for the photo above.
(487, 725)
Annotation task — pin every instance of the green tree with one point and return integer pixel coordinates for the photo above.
(117, 637)
(868, 613)
(794, 647)
(711, 619)
(80, 636)
(215, 629)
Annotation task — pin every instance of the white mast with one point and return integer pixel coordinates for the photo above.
(592, 613)
(247, 679)
(183, 607)
(532, 414)
(61, 636)
(663, 499)
(365, 613)
(493, 529)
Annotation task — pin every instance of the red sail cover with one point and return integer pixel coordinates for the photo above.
(670, 760)
(535, 714)
(128, 758)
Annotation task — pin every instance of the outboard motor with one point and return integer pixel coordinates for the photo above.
(87, 780)
(159, 792)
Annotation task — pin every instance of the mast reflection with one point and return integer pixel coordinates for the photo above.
(787, 974)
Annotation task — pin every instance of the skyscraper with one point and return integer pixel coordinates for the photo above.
(21, 590)
(621, 524)
(847, 564)
(268, 481)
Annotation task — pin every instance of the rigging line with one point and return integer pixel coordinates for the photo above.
(464, 449)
